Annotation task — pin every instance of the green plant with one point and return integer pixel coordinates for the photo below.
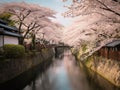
(1, 51)
(7, 17)
(13, 51)
(84, 48)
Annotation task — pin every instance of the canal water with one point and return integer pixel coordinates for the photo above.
(63, 73)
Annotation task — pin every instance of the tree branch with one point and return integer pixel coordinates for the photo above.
(107, 8)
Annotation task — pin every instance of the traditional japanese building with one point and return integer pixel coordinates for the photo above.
(111, 50)
(8, 34)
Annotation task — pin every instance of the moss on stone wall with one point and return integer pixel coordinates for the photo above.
(107, 68)
(14, 67)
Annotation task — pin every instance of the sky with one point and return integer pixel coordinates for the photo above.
(56, 5)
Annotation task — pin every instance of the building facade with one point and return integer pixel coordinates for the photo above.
(8, 34)
(111, 50)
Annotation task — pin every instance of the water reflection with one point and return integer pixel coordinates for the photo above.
(55, 78)
(63, 74)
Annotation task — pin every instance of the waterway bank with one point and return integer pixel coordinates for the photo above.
(63, 73)
(107, 68)
(11, 68)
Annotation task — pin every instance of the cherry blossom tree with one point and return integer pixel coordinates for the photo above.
(83, 7)
(104, 13)
(97, 22)
(30, 18)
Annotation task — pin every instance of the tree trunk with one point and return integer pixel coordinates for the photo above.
(33, 42)
(21, 40)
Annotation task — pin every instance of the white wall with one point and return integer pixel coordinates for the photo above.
(10, 40)
(1, 40)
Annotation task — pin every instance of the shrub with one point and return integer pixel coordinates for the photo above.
(1, 51)
(13, 51)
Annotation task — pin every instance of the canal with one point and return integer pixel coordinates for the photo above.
(63, 73)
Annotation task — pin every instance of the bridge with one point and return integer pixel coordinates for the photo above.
(62, 46)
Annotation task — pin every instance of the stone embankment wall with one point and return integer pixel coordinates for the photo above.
(14, 67)
(107, 68)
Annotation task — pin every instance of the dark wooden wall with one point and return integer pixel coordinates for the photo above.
(110, 52)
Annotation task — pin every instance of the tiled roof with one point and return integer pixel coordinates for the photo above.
(113, 43)
(10, 34)
(8, 27)
(8, 30)
(3, 22)
(4, 32)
